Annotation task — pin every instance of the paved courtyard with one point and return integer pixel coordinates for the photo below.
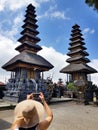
(67, 116)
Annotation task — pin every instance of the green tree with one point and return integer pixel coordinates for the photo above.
(71, 86)
(92, 3)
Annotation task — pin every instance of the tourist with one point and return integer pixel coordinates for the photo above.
(29, 113)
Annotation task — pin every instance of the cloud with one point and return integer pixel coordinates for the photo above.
(52, 12)
(18, 19)
(92, 31)
(7, 52)
(57, 60)
(1, 5)
(88, 31)
(14, 27)
(59, 15)
(94, 77)
(16, 4)
(43, 1)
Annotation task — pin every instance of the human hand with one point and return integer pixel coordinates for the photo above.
(30, 96)
(41, 96)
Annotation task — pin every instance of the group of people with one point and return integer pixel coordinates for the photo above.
(29, 114)
(58, 90)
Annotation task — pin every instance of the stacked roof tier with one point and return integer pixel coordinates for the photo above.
(28, 57)
(77, 51)
(77, 54)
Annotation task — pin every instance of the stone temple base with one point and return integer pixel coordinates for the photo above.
(10, 98)
(18, 90)
(16, 96)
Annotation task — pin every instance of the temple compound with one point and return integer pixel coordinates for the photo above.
(78, 71)
(27, 67)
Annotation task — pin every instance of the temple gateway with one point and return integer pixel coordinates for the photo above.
(27, 67)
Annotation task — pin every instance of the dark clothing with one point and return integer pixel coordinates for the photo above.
(30, 128)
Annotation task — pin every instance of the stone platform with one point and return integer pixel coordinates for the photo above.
(8, 104)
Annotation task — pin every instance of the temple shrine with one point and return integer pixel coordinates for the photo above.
(27, 67)
(78, 71)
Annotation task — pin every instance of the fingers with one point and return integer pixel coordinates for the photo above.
(30, 96)
(41, 96)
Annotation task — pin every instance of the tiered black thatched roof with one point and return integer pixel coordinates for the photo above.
(78, 56)
(28, 58)
(29, 48)
(78, 67)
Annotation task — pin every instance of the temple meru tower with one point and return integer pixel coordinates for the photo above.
(27, 67)
(78, 71)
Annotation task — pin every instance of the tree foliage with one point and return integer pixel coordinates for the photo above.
(92, 3)
(71, 86)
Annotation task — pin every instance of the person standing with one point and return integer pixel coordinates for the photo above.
(28, 114)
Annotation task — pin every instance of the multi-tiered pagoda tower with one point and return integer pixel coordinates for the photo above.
(78, 71)
(27, 67)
